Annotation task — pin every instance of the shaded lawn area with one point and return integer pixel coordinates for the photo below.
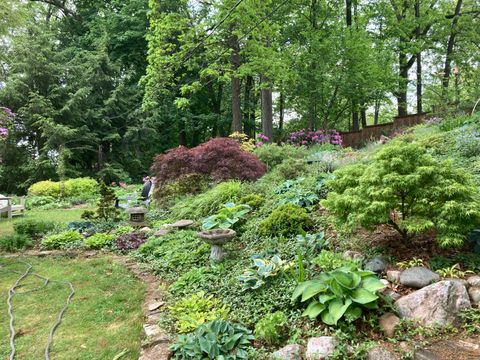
(103, 320)
(58, 215)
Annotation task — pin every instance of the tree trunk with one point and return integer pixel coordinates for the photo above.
(282, 110)
(248, 107)
(236, 86)
(363, 116)
(376, 113)
(402, 84)
(267, 111)
(450, 45)
(355, 124)
(419, 63)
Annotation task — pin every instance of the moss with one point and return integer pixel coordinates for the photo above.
(286, 220)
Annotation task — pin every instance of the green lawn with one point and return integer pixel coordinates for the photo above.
(59, 215)
(104, 318)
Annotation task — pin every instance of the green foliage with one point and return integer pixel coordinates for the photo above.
(215, 340)
(88, 215)
(409, 190)
(15, 242)
(291, 168)
(341, 293)
(253, 200)
(272, 328)
(33, 228)
(61, 240)
(99, 241)
(273, 155)
(264, 270)
(471, 320)
(106, 209)
(312, 244)
(123, 230)
(206, 203)
(453, 272)
(298, 192)
(197, 309)
(469, 261)
(175, 253)
(83, 188)
(410, 263)
(330, 260)
(227, 217)
(40, 201)
(285, 220)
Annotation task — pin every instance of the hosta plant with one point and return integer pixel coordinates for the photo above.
(219, 340)
(310, 244)
(228, 216)
(453, 272)
(264, 270)
(410, 263)
(342, 293)
(406, 188)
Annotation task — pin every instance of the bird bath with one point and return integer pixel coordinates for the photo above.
(216, 239)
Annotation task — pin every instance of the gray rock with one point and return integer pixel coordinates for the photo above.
(381, 353)
(439, 303)
(320, 348)
(391, 294)
(448, 350)
(145, 229)
(474, 281)
(155, 305)
(289, 352)
(180, 224)
(461, 281)
(161, 232)
(393, 276)
(388, 321)
(352, 255)
(152, 330)
(418, 277)
(474, 293)
(377, 265)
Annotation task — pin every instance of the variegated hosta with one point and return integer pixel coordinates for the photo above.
(266, 269)
(341, 293)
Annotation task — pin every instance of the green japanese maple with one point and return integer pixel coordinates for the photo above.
(408, 189)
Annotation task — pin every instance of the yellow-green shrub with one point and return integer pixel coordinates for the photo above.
(78, 188)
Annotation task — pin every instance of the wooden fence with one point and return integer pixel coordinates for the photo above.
(374, 132)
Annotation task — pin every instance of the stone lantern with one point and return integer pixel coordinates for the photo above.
(137, 215)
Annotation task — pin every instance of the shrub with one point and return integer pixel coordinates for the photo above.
(219, 158)
(329, 260)
(45, 188)
(61, 240)
(468, 142)
(123, 230)
(99, 240)
(408, 189)
(129, 242)
(82, 188)
(40, 201)
(15, 242)
(253, 200)
(272, 328)
(33, 228)
(291, 168)
(286, 220)
(307, 138)
(186, 184)
(106, 209)
(197, 309)
(340, 293)
(273, 155)
(215, 340)
(208, 202)
(245, 143)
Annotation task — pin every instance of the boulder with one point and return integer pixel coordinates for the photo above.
(145, 229)
(439, 303)
(289, 352)
(474, 281)
(320, 348)
(381, 353)
(393, 276)
(388, 321)
(474, 293)
(161, 232)
(377, 265)
(418, 277)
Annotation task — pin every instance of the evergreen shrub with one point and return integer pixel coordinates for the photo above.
(286, 220)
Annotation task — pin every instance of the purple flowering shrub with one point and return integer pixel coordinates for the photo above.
(306, 138)
(262, 140)
(131, 241)
(6, 117)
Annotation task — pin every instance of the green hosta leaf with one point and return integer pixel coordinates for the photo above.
(372, 284)
(300, 289)
(323, 298)
(336, 288)
(363, 296)
(344, 279)
(313, 289)
(314, 309)
(327, 318)
(205, 345)
(353, 313)
(336, 309)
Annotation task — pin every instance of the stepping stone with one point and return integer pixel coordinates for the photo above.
(182, 224)
(152, 330)
(155, 305)
(448, 350)
(161, 232)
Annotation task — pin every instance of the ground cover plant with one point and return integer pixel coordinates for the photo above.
(103, 320)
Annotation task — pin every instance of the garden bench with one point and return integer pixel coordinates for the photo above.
(7, 206)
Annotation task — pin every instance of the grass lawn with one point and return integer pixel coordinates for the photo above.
(104, 318)
(59, 215)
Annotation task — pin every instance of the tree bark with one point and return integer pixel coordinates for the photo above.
(248, 107)
(236, 86)
(450, 45)
(267, 103)
(419, 63)
(402, 84)
(282, 110)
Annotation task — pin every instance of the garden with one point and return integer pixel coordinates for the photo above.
(303, 250)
